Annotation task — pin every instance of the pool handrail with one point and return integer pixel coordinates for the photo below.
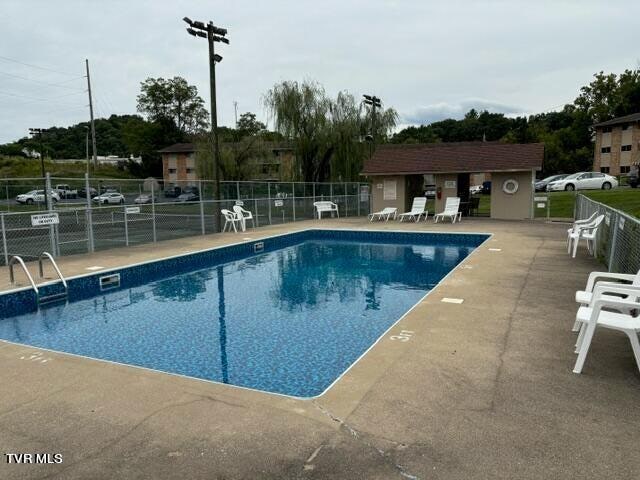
(16, 259)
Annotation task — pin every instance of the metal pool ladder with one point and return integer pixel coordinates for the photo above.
(43, 256)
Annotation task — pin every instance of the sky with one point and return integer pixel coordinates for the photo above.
(428, 60)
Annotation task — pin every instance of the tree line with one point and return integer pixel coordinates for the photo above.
(330, 136)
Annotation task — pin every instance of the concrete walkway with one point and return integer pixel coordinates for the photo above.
(483, 389)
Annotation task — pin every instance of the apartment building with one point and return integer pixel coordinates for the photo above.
(179, 164)
(617, 145)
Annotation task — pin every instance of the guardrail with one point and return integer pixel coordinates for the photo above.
(618, 238)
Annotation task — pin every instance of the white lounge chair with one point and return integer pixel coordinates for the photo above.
(230, 219)
(451, 210)
(622, 320)
(417, 210)
(324, 206)
(384, 214)
(244, 216)
(588, 232)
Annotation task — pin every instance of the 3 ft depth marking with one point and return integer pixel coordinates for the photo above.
(403, 336)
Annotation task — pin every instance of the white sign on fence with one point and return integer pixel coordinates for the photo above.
(45, 219)
(132, 209)
(278, 203)
(240, 203)
(541, 205)
(621, 223)
(539, 199)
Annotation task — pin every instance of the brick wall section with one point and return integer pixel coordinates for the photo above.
(616, 145)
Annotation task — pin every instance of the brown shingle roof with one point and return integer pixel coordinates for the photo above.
(454, 157)
(634, 117)
(179, 148)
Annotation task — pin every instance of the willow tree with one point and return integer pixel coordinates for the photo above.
(328, 135)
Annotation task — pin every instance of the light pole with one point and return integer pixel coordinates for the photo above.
(374, 102)
(39, 132)
(212, 34)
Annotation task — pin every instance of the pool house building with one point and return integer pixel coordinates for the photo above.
(399, 173)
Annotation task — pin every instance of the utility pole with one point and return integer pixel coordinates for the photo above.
(86, 146)
(93, 127)
(235, 107)
(212, 34)
(374, 102)
(38, 132)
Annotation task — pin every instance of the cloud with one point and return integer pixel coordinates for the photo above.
(443, 110)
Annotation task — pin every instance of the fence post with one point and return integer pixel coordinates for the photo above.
(4, 240)
(88, 215)
(612, 247)
(201, 207)
(126, 227)
(153, 210)
(237, 190)
(269, 200)
(52, 228)
(293, 200)
(358, 197)
(346, 201)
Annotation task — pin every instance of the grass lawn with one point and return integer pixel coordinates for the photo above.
(624, 199)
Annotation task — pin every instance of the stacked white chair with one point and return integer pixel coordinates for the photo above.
(586, 231)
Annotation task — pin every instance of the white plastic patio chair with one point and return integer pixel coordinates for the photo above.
(622, 320)
(230, 219)
(417, 210)
(326, 206)
(588, 232)
(584, 297)
(384, 214)
(580, 223)
(244, 216)
(451, 210)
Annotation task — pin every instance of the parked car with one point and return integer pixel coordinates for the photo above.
(475, 189)
(110, 198)
(173, 191)
(36, 196)
(430, 191)
(191, 189)
(108, 189)
(188, 197)
(144, 198)
(82, 192)
(633, 176)
(486, 187)
(65, 191)
(584, 181)
(541, 185)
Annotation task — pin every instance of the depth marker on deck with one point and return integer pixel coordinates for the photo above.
(95, 267)
(452, 300)
(495, 249)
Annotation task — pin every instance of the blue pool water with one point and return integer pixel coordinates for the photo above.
(288, 321)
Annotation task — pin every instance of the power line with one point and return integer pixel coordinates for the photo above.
(36, 99)
(36, 66)
(57, 85)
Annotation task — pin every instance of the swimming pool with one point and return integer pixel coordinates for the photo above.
(287, 315)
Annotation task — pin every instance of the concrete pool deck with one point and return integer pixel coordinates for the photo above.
(482, 389)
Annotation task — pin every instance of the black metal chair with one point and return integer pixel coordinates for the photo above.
(474, 204)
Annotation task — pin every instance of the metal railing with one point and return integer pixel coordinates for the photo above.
(148, 212)
(618, 238)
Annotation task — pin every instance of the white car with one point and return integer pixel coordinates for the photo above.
(584, 181)
(36, 196)
(109, 198)
(474, 189)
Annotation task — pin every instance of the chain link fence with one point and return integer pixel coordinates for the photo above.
(618, 237)
(86, 215)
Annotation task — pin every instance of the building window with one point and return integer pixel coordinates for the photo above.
(626, 126)
(604, 169)
(625, 148)
(605, 149)
(606, 129)
(191, 170)
(625, 169)
(173, 170)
